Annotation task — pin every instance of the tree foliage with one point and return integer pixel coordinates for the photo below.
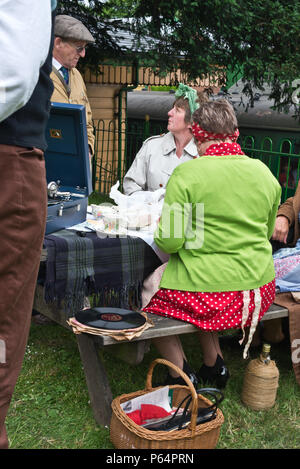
(98, 17)
(259, 40)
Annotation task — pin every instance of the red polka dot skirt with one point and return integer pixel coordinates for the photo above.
(216, 311)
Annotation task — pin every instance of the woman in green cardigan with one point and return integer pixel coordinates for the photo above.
(218, 216)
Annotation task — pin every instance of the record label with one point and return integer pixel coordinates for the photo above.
(110, 318)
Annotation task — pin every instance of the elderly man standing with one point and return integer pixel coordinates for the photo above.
(71, 39)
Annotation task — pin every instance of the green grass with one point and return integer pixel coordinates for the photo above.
(51, 409)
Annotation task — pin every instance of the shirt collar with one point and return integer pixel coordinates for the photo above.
(56, 63)
(169, 146)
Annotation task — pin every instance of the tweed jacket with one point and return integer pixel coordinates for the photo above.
(290, 209)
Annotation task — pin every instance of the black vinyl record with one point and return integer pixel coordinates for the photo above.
(110, 318)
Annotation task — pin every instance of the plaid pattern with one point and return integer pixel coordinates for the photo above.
(65, 73)
(110, 270)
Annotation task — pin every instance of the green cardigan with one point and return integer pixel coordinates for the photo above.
(218, 216)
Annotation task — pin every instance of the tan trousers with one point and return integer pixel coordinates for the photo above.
(23, 211)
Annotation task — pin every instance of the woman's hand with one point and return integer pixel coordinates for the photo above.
(281, 229)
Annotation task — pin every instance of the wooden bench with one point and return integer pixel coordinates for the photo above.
(132, 352)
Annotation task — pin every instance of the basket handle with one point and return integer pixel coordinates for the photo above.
(189, 383)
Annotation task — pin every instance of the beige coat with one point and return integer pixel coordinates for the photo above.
(155, 162)
(76, 95)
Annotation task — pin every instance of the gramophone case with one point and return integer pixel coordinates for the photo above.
(67, 166)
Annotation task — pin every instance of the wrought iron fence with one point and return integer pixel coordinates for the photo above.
(108, 159)
(116, 149)
(280, 158)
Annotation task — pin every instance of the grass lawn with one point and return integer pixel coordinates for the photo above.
(51, 410)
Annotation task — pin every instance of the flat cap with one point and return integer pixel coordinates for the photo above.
(68, 27)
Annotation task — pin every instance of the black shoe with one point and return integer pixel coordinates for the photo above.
(216, 375)
(170, 380)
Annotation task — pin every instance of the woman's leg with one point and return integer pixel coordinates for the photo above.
(171, 349)
(213, 371)
(209, 343)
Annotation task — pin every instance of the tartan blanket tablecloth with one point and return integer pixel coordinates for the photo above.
(110, 270)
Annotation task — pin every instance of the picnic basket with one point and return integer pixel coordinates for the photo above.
(125, 433)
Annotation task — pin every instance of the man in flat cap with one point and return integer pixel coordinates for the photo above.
(71, 39)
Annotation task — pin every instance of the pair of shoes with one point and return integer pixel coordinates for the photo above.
(216, 375)
(188, 371)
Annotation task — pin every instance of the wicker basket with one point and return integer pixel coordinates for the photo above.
(125, 434)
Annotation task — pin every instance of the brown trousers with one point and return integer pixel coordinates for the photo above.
(23, 211)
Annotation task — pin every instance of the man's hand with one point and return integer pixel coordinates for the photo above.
(281, 229)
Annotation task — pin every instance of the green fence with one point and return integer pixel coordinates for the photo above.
(115, 151)
(107, 159)
(278, 156)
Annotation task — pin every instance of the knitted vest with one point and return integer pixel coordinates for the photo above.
(26, 127)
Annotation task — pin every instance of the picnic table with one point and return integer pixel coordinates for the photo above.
(112, 271)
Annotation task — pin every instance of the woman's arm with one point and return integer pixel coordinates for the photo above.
(285, 218)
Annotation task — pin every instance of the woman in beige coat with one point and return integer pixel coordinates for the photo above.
(161, 154)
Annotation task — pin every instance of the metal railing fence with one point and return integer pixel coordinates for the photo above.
(280, 158)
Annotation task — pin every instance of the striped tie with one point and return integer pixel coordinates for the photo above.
(65, 73)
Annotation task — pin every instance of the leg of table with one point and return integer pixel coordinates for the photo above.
(96, 379)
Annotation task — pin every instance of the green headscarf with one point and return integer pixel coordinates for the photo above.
(188, 93)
